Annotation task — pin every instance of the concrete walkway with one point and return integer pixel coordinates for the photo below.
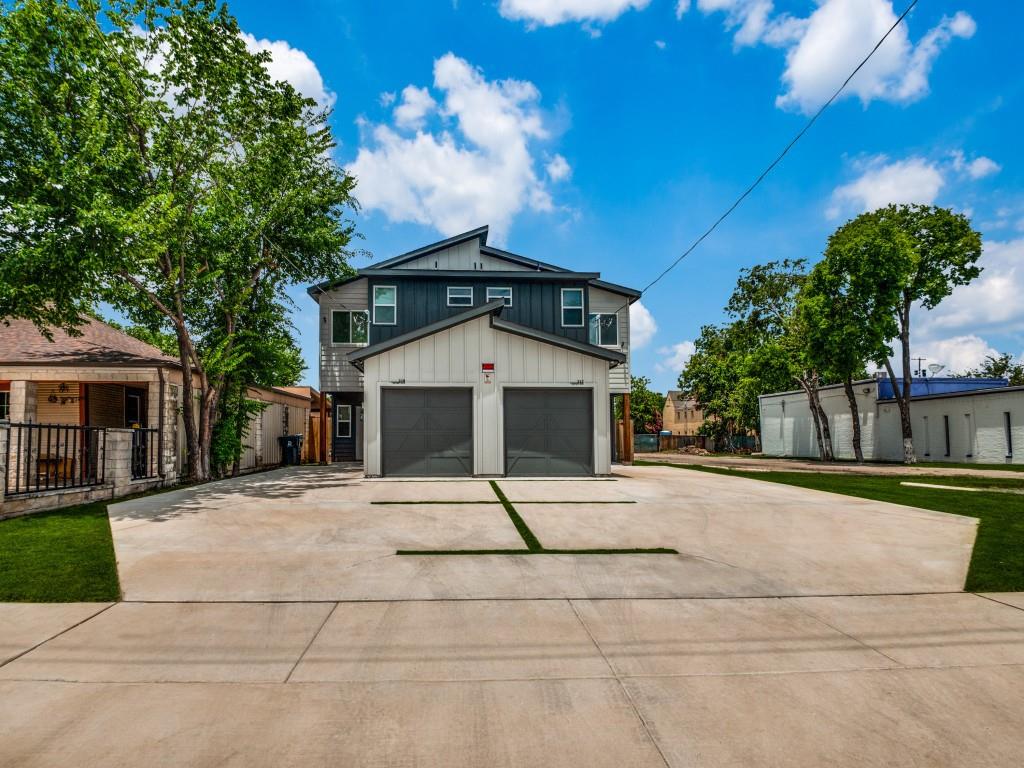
(758, 464)
(846, 681)
(316, 533)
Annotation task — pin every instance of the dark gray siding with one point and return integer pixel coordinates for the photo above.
(423, 300)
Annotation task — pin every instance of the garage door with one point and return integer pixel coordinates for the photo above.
(427, 432)
(549, 432)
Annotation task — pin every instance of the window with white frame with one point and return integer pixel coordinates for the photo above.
(344, 421)
(460, 296)
(572, 307)
(500, 293)
(385, 305)
(604, 329)
(350, 327)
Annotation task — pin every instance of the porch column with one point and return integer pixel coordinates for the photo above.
(23, 402)
(627, 431)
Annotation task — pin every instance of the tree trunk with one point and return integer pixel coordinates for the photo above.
(826, 431)
(188, 409)
(855, 417)
(805, 384)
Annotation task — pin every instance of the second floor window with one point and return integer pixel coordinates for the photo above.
(604, 330)
(500, 293)
(460, 296)
(572, 307)
(349, 327)
(385, 305)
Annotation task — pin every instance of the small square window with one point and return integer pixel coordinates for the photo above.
(604, 330)
(349, 327)
(572, 307)
(460, 296)
(500, 293)
(385, 305)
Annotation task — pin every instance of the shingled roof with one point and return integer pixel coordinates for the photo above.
(21, 343)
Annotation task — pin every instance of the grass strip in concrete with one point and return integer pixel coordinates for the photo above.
(634, 551)
(533, 544)
(400, 503)
(997, 562)
(531, 541)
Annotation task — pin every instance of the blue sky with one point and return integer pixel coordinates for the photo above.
(607, 134)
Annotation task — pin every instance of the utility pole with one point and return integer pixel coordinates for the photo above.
(920, 368)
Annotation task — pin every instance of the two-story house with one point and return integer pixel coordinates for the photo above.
(460, 359)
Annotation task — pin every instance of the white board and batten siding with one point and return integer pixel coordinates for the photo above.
(607, 302)
(453, 357)
(337, 374)
(464, 256)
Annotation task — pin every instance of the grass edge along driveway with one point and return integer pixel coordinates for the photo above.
(59, 556)
(997, 562)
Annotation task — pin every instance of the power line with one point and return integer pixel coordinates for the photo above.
(781, 155)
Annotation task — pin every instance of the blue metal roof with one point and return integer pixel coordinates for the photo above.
(939, 386)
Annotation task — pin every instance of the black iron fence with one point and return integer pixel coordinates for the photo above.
(42, 457)
(145, 452)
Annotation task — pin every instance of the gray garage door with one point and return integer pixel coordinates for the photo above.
(427, 432)
(549, 432)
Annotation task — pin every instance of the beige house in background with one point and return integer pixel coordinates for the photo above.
(681, 415)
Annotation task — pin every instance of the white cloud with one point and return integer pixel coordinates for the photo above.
(416, 104)
(641, 325)
(822, 49)
(957, 353)
(387, 98)
(548, 13)
(477, 167)
(914, 180)
(294, 66)
(991, 303)
(675, 357)
(978, 168)
(558, 168)
(953, 333)
(660, 45)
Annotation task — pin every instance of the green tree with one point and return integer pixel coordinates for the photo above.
(999, 367)
(897, 257)
(150, 160)
(838, 333)
(645, 406)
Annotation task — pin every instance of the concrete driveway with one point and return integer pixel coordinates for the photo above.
(268, 622)
(320, 533)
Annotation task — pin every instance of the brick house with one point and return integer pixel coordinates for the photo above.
(681, 415)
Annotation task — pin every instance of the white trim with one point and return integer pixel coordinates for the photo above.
(381, 304)
(338, 422)
(616, 345)
(350, 343)
(460, 288)
(508, 301)
(582, 308)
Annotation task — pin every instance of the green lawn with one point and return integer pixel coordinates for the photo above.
(997, 564)
(62, 556)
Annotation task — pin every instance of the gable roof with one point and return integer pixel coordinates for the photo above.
(492, 308)
(480, 233)
(21, 343)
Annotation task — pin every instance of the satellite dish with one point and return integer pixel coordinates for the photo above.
(935, 368)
